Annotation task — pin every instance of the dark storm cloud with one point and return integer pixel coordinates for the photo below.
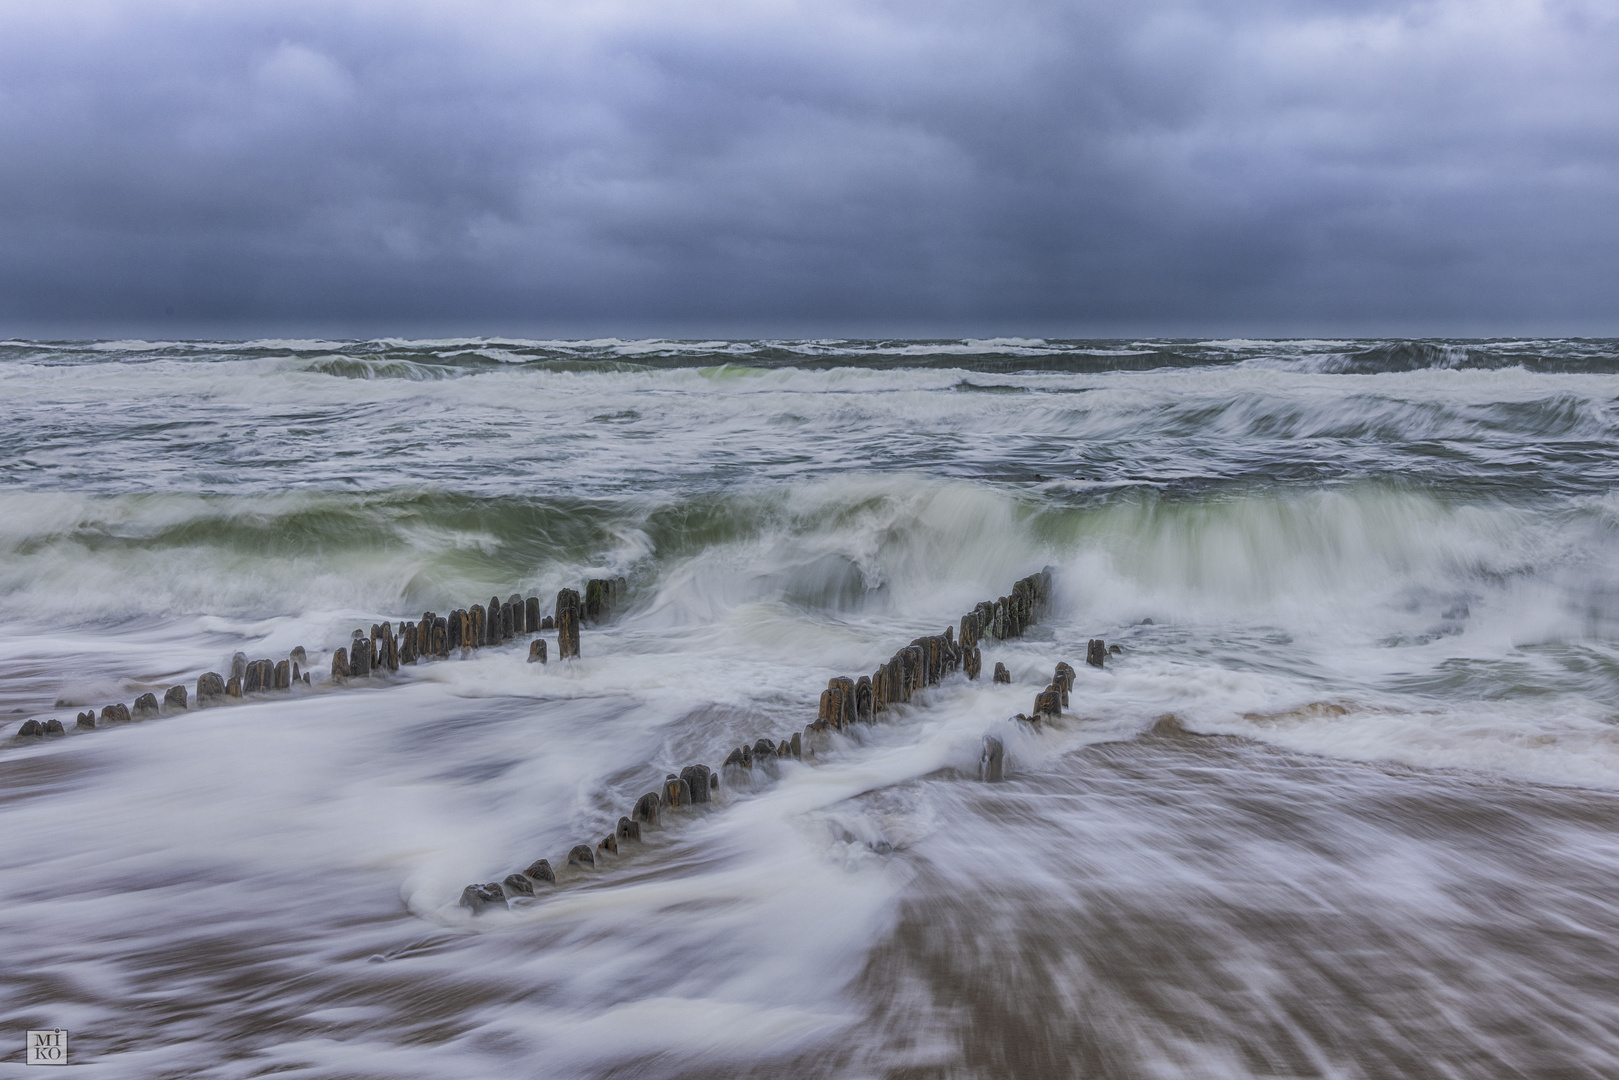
(800, 167)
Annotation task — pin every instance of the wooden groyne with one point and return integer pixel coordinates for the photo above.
(384, 649)
(845, 702)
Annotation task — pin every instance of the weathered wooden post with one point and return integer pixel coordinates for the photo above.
(831, 707)
(258, 677)
(602, 597)
(646, 809)
(845, 703)
(915, 670)
(1095, 652)
(1064, 680)
(862, 699)
(676, 792)
(477, 897)
(1001, 674)
(536, 651)
(567, 624)
(360, 658)
(921, 645)
(531, 614)
(696, 778)
(211, 687)
(817, 738)
(992, 760)
(174, 699)
(985, 619)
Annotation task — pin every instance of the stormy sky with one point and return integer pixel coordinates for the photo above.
(810, 168)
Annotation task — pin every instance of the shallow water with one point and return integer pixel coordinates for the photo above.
(1378, 839)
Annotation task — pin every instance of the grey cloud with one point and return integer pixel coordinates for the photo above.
(1269, 167)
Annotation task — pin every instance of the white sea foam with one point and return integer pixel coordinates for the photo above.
(1373, 580)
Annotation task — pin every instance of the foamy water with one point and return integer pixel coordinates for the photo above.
(1376, 585)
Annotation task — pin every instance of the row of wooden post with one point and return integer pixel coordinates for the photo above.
(845, 701)
(1048, 705)
(434, 636)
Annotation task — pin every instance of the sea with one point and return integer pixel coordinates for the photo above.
(1344, 804)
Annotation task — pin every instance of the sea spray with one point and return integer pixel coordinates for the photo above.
(1342, 803)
